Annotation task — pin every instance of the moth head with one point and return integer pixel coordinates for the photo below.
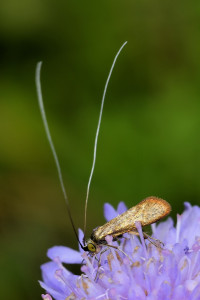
(91, 246)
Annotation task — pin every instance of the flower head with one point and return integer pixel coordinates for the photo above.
(139, 271)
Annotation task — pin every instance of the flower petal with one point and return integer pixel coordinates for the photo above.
(81, 239)
(54, 293)
(190, 224)
(109, 212)
(48, 274)
(121, 208)
(65, 254)
(46, 297)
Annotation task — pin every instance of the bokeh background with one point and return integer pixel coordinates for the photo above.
(149, 142)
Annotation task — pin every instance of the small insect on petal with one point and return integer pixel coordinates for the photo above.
(148, 211)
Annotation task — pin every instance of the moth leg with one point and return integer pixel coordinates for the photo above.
(82, 261)
(153, 241)
(99, 261)
(115, 247)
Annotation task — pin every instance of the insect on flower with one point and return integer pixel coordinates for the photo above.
(148, 211)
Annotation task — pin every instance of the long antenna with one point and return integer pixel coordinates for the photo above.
(47, 131)
(97, 134)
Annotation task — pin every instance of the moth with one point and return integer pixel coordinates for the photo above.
(146, 212)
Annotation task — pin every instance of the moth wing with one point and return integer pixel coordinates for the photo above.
(150, 210)
(146, 212)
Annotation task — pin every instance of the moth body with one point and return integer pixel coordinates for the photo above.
(147, 212)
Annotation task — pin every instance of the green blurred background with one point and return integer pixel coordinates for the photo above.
(149, 142)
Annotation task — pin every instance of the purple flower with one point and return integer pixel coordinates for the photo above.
(147, 272)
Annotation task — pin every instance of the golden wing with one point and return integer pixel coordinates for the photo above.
(146, 212)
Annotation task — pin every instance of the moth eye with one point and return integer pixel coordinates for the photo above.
(91, 247)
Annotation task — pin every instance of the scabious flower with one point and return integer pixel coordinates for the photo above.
(147, 272)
